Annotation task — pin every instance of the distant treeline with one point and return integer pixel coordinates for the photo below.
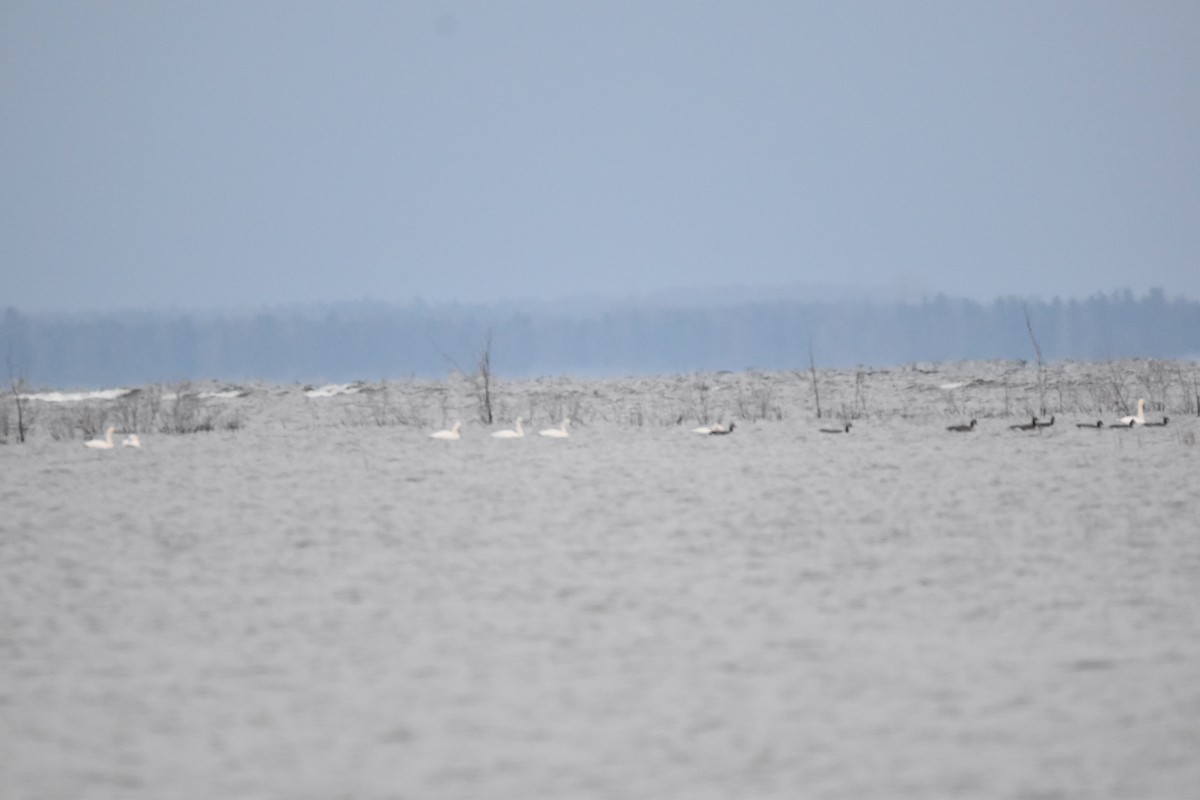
(369, 340)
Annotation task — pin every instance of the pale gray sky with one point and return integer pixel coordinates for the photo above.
(169, 154)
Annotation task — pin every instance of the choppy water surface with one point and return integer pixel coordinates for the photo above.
(302, 609)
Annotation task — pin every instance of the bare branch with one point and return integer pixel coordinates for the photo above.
(812, 366)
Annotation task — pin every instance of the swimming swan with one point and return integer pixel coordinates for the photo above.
(557, 433)
(454, 434)
(132, 440)
(511, 434)
(102, 444)
(721, 430)
(963, 428)
(1138, 418)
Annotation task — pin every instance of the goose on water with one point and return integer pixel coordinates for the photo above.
(963, 428)
(1098, 424)
(451, 435)
(1162, 424)
(1043, 424)
(102, 444)
(1030, 427)
(844, 429)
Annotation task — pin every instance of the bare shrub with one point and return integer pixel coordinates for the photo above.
(90, 420)
(573, 408)
(138, 411)
(1037, 349)
(442, 394)
(812, 368)
(23, 409)
(637, 416)
(700, 403)
(379, 407)
(483, 380)
(860, 392)
(60, 427)
(186, 413)
(385, 406)
(1190, 396)
(1116, 384)
(758, 401)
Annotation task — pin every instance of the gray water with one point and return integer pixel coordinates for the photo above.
(313, 606)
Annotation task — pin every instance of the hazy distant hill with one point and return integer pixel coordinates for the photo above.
(372, 340)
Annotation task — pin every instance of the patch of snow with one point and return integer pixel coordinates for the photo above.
(333, 390)
(77, 397)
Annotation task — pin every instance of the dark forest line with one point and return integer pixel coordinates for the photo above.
(370, 340)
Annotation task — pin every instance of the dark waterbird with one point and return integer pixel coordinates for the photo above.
(1032, 426)
(1037, 424)
(963, 428)
(1162, 424)
(721, 430)
(837, 430)
(1097, 424)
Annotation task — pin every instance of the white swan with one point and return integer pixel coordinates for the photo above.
(454, 434)
(132, 440)
(557, 433)
(511, 434)
(703, 430)
(1138, 418)
(102, 444)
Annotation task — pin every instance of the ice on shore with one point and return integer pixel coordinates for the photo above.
(334, 390)
(78, 397)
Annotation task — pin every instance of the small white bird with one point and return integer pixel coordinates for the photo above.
(132, 440)
(1138, 418)
(557, 433)
(454, 434)
(511, 434)
(102, 444)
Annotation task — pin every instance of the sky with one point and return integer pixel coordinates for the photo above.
(187, 155)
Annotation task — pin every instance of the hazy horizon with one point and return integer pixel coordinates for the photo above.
(356, 341)
(233, 155)
(582, 305)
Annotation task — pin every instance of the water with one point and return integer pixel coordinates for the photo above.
(308, 608)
